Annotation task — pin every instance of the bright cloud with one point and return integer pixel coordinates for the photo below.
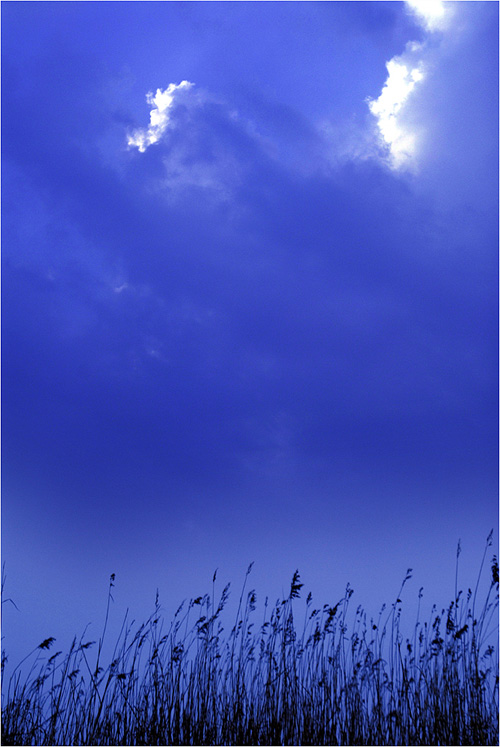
(162, 103)
(403, 77)
(206, 158)
(405, 73)
(433, 15)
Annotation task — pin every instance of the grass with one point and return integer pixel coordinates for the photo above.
(338, 678)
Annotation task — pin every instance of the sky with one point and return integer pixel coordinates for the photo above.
(249, 302)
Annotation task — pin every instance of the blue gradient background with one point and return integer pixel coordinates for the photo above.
(302, 370)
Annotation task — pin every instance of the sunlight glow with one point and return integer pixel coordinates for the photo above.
(432, 14)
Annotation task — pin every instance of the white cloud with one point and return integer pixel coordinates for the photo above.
(206, 158)
(406, 72)
(403, 76)
(162, 103)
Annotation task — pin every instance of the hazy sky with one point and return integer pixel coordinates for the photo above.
(250, 293)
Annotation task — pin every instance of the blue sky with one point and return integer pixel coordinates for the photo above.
(249, 300)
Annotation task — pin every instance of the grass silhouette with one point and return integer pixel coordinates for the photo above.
(340, 678)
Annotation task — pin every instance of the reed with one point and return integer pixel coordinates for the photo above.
(338, 678)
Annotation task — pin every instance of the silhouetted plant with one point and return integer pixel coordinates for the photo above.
(332, 682)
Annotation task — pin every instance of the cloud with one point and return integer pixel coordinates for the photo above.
(162, 104)
(398, 134)
(205, 147)
(404, 75)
